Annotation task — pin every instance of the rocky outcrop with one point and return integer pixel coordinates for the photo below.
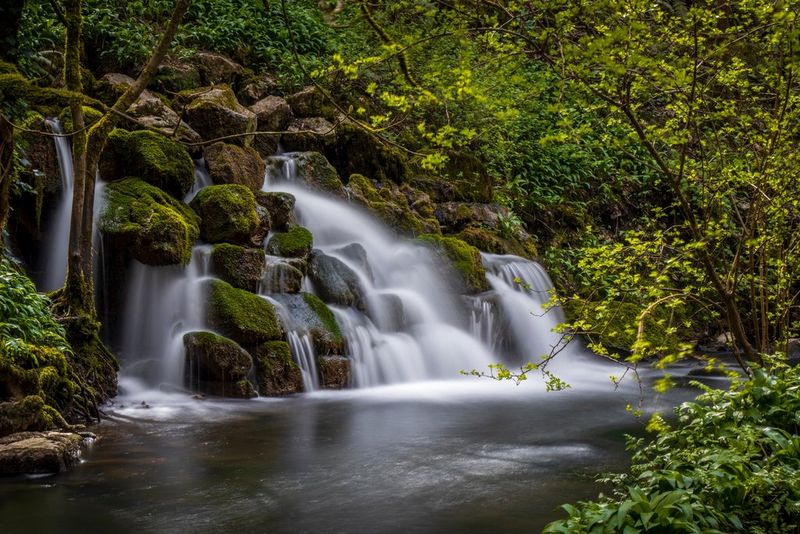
(233, 164)
(154, 158)
(335, 282)
(274, 115)
(217, 366)
(228, 214)
(276, 371)
(216, 69)
(311, 134)
(143, 222)
(334, 372)
(280, 207)
(282, 276)
(39, 453)
(391, 204)
(307, 313)
(314, 171)
(241, 267)
(214, 112)
(356, 151)
(310, 102)
(488, 240)
(174, 76)
(256, 88)
(294, 243)
(462, 263)
(242, 316)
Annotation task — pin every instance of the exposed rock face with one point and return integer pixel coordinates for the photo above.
(308, 313)
(312, 134)
(217, 366)
(390, 204)
(25, 414)
(335, 282)
(214, 112)
(310, 102)
(295, 243)
(155, 159)
(274, 115)
(28, 453)
(494, 241)
(144, 222)
(216, 68)
(356, 253)
(242, 316)
(334, 371)
(228, 213)
(463, 260)
(281, 276)
(280, 207)
(256, 88)
(241, 267)
(233, 164)
(276, 371)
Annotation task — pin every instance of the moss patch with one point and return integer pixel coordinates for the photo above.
(90, 116)
(227, 212)
(296, 243)
(492, 241)
(150, 225)
(276, 371)
(241, 267)
(325, 316)
(391, 205)
(156, 159)
(216, 365)
(242, 316)
(464, 258)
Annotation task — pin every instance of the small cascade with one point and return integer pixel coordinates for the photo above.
(56, 245)
(294, 318)
(303, 349)
(482, 321)
(163, 304)
(99, 266)
(202, 178)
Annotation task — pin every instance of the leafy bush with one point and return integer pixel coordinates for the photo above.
(731, 464)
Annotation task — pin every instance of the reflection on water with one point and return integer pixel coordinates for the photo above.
(435, 457)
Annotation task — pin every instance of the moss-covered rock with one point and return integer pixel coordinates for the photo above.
(356, 151)
(227, 213)
(310, 102)
(295, 243)
(174, 76)
(216, 365)
(488, 240)
(256, 87)
(240, 315)
(216, 68)
(314, 171)
(90, 116)
(154, 158)
(307, 313)
(335, 282)
(334, 371)
(281, 276)
(276, 371)
(304, 135)
(214, 112)
(390, 205)
(280, 207)
(463, 258)
(241, 267)
(233, 164)
(274, 115)
(146, 223)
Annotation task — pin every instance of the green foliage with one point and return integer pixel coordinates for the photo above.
(731, 464)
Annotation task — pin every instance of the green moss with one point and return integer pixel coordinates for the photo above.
(227, 212)
(241, 267)
(276, 371)
(325, 316)
(296, 243)
(492, 241)
(242, 316)
(90, 116)
(391, 205)
(156, 159)
(16, 88)
(464, 258)
(152, 226)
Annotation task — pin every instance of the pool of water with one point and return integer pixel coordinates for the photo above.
(472, 456)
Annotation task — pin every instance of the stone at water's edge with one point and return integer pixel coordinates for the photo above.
(217, 366)
(241, 267)
(281, 276)
(232, 164)
(296, 243)
(309, 314)
(334, 371)
(280, 207)
(227, 212)
(29, 453)
(335, 282)
(242, 316)
(276, 371)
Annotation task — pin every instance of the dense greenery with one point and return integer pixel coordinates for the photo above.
(730, 464)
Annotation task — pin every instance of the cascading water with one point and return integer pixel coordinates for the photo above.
(56, 246)
(201, 179)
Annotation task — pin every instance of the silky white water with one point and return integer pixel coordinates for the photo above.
(56, 243)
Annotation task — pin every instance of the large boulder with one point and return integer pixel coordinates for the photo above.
(214, 112)
(463, 262)
(455, 216)
(311, 134)
(488, 240)
(274, 115)
(227, 212)
(144, 222)
(276, 371)
(216, 68)
(174, 76)
(334, 371)
(39, 453)
(282, 276)
(154, 158)
(216, 365)
(242, 316)
(308, 314)
(233, 164)
(280, 207)
(256, 88)
(310, 102)
(356, 151)
(241, 267)
(314, 171)
(297, 242)
(335, 282)
(390, 204)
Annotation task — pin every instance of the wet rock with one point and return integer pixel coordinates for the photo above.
(281, 277)
(233, 164)
(25, 414)
(455, 216)
(334, 281)
(155, 159)
(312, 134)
(241, 267)
(391, 205)
(334, 372)
(276, 371)
(307, 313)
(294, 243)
(214, 112)
(463, 262)
(280, 207)
(256, 88)
(144, 222)
(216, 365)
(387, 311)
(240, 315)
(227, 212)
(216, 68)
(356, 253)
(494, 241)
(28, 453)
(314, 171)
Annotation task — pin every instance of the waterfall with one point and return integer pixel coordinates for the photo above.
(202, 178)
(56, 243)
